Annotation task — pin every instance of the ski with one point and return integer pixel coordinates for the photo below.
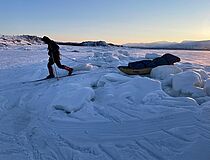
(43, 79)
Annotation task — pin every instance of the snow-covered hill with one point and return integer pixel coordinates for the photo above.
(19, 40)
(101, 113)
(34, 40)
(187, 45)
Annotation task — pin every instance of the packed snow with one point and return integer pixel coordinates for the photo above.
(100, 112)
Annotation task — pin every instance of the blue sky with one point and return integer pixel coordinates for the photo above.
(117, 21)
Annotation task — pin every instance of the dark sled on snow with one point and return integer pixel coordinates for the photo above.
(145, 66)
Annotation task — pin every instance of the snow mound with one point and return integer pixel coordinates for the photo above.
(83, 67)
(188, 83)
(140, 86)
(207, 87)
(106, 59)
(202, 73)
(110, 57)
(137, 88)
(72, 101)
(122, 52)
(161, 98)
(152, 55)
(116, 87)
(162, 72)
(112, 77)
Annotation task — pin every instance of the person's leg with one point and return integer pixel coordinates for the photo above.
(50, 69)
(58, 63)
(69, 69)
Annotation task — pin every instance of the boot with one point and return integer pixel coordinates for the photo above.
(69, 69)
(50, 76)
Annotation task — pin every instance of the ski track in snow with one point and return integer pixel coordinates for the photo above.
(32, 129)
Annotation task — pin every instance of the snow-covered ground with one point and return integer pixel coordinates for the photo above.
(101, 113)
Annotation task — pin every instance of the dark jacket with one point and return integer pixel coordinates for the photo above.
(166, 59)
(53, 50)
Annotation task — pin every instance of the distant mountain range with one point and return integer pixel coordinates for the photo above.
(186, 45)
(89, 43)
(34, 40)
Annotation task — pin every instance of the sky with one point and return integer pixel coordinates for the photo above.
(116, 21)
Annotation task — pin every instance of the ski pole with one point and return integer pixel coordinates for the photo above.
(69, 58)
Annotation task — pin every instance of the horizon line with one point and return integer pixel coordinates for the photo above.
(107, 41)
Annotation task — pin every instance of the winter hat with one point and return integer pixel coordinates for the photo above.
(46, 39)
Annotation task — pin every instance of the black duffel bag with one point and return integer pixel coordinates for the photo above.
(166, 59)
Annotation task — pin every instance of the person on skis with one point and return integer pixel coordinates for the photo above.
(54, 57)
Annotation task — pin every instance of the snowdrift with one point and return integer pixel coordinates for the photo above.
(101, 113)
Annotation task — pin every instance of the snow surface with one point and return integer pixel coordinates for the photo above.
(101, 113)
